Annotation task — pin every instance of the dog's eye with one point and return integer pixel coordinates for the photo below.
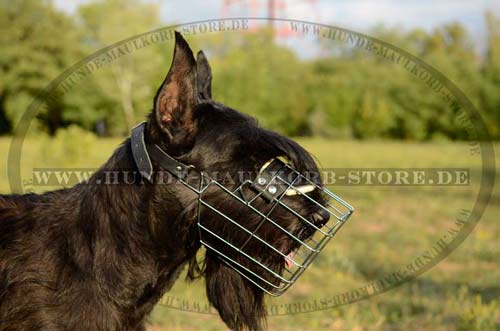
(300, 190)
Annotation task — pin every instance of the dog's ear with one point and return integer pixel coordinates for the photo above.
(177, 97)
(204, 78)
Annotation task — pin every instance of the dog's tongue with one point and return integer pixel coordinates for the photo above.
(289, 259)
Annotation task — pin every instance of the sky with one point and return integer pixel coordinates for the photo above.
(358, 15)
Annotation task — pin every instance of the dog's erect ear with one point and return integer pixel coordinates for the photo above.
(177, 97)
(204, 76)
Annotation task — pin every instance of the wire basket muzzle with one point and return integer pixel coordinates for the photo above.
(260, 228)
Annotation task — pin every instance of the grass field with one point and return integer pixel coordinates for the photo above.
(392, 226)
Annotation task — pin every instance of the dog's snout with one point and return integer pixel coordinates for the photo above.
(321, 217)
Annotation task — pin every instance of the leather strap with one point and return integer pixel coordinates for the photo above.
(176, 168)
(141, 157)
(142, 154)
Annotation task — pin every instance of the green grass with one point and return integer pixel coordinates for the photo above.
(391, 226)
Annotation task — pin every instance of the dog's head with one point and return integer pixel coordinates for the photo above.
(258, 211)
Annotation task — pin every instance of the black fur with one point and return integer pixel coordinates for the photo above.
(99, 257)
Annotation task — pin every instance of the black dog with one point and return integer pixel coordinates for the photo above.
(99, 257)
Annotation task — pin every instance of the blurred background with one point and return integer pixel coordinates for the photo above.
(348, 107)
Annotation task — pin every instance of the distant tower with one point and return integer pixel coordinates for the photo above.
(272, 8)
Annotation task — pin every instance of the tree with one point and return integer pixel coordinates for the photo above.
(32, 56)
(490, 87)
(128, 82)
(260, 78)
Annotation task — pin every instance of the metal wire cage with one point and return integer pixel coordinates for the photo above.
(272, 186)
(258, 198)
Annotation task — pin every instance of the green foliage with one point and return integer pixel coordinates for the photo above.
(265, 82)
(126, 86)
(346, 93)
(69, 147)
(476, 315)
(37, 44)
(372, 118)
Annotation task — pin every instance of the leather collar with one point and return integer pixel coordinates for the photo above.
(143, 153)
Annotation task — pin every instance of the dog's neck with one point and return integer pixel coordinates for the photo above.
(130, 215)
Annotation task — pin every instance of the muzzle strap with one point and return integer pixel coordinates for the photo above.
(143, 153)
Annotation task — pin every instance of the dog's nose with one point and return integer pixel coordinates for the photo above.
(321, 217)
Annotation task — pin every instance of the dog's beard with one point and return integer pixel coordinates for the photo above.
(240, 304)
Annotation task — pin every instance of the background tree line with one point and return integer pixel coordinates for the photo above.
(344, 93)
